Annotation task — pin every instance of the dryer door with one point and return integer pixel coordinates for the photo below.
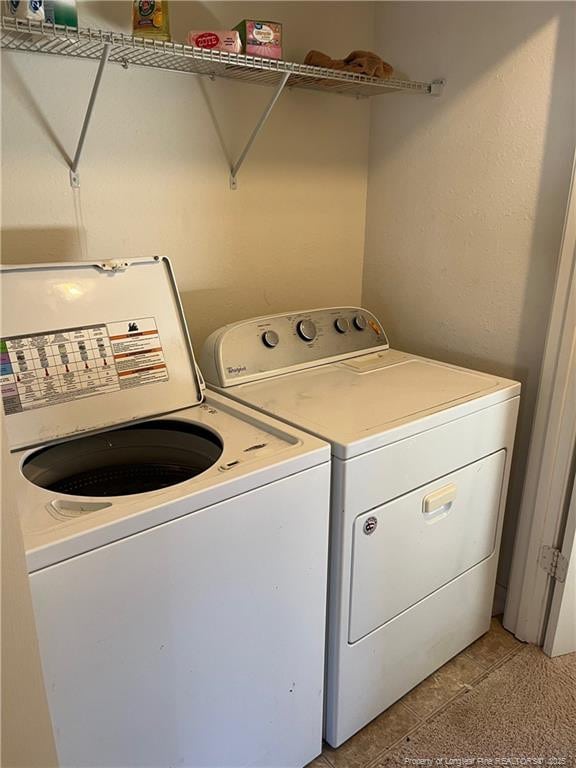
(411, 546)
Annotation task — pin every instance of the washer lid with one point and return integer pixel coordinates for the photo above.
(89, 346)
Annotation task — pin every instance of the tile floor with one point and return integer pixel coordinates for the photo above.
(423, 702)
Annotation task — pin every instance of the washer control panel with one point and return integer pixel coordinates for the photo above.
(306, 330)
(266, 346)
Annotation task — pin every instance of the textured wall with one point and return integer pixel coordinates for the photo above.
(155, 174)
(467, 193)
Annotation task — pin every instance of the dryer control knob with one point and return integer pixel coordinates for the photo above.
(360, 323)
(306, 330)
(270, 339)
(342, 324)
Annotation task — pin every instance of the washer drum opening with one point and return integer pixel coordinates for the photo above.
(134, 459)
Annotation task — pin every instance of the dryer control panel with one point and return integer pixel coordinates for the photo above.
(266, 346)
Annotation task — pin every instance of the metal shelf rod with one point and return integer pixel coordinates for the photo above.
(259, 125)
(74, 176)
(85, 43)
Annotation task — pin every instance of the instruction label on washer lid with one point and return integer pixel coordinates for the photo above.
(53, 367)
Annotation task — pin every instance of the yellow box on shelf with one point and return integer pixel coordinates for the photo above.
(150, 19)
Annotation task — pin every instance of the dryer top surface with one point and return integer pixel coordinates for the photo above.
(361, 403)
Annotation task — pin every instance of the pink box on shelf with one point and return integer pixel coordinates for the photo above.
(219, 40)
(261, 38)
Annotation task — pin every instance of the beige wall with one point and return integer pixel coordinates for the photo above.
(467, 193)
(155, 175)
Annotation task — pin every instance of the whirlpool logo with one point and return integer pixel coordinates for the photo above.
(236, 370)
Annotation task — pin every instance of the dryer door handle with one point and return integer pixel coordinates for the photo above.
(438, 503)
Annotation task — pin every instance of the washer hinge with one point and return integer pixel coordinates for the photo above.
(554, 562)
(113, 266)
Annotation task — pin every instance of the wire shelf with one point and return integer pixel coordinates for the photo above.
(85, 43)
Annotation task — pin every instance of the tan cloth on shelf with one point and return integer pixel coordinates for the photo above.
(360, 62)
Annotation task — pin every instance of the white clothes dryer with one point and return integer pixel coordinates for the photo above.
(176, 543)
(421, 455)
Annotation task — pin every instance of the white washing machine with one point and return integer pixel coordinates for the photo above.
(177, 545)
(421, 455)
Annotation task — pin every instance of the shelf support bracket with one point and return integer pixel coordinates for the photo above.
(436, 87)
(74, 175)
(259, 125)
